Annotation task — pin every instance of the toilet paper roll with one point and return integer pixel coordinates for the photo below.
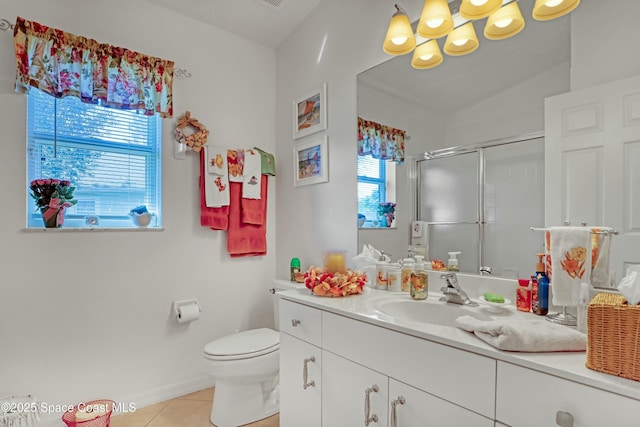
(188, 313)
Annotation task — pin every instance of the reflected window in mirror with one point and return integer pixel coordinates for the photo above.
(376, 185)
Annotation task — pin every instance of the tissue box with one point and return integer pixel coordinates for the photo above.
(613, 344)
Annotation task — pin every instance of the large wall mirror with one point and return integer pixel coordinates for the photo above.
(478, 113)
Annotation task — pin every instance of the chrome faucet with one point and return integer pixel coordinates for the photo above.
(453, 293)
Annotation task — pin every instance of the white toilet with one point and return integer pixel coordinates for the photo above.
(245, 366)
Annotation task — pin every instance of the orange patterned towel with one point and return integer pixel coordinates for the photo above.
(570, 263)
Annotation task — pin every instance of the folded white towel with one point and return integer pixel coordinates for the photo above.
(536, 336)
(252, 175)
(570, 263)
(216, 185)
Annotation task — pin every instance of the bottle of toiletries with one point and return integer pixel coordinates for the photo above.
(523, 295)
(452, 265)
(405, 274)
(542, 294)
(381, 275)
(419, 280)
(295, 268)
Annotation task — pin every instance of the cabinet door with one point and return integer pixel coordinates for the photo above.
(299, 400)
(415, 408)
(529, 398)
(347, 390)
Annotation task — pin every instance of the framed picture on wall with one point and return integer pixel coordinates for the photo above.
(310, 113)
(311, 162)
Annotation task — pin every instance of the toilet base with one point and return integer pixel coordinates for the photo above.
(236, 404)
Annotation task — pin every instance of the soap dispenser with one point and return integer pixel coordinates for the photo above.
(419, 280)
(453, 261)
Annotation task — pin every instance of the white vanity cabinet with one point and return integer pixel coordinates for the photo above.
(529, 398)
(300, 365)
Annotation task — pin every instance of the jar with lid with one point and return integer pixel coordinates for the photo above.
(381, 275)
(419, 280)
(405, 273)
(394, 277)
(523, 295)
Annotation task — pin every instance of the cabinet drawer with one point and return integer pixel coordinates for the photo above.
(525, 397)
(301, 321)
(463, 378)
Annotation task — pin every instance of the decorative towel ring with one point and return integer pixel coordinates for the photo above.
(195, 140)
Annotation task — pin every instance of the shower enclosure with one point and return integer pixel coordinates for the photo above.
(481, 200)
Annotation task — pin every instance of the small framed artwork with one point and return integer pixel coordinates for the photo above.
(310, 113)
(311, 162)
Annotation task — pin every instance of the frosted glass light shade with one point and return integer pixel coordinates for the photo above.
(475, 9)
(435, 12)
(400, 39)
(545, 10)
(427, 55)
(461, 41)
(505, 23)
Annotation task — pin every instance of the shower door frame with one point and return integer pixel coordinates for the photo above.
(481, 207)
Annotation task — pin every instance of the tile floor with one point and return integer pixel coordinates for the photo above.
(191, 410)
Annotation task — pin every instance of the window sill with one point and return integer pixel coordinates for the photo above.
(89, 229)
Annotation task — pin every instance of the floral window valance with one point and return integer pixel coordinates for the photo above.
(382, 142)
(63, 64)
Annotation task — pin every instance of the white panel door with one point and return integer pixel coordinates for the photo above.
(592, 163)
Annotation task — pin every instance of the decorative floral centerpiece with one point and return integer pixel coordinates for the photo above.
(52, 197)
(327, 284)
(387, 210)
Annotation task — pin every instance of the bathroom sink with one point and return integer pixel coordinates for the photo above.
(427, 311)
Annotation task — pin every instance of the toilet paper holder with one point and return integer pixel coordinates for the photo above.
(180, 306)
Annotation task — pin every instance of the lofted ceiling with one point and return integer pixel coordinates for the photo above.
(458, 81)
(267, 22)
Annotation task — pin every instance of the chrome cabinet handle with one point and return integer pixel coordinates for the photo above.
(295, 322)
(306, 384)
(394, 417)
(367, 405)
(564, 419)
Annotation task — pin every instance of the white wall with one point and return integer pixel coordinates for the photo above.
(341, 39)
(87, 315)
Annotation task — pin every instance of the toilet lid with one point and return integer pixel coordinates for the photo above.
(243, 345)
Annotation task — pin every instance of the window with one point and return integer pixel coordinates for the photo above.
(376, 184)
(111, 156)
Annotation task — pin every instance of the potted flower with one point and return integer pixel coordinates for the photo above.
(52, 197)
(387, 213)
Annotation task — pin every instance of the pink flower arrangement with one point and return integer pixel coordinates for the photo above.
(52, 191)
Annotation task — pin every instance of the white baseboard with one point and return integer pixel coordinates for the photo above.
(140, 400)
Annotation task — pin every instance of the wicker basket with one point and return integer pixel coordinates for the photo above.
(613, 336)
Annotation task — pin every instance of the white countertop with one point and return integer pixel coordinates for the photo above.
(567, 365)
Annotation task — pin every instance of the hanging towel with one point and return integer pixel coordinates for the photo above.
(570, 262)
(547, 255)
(235, 159)
(215, 218)
(246, 238)
(600, 250)
(252, 176)
(268, 162)
(537, 336)
(216, 182)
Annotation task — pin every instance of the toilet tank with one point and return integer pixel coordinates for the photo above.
(281, 285)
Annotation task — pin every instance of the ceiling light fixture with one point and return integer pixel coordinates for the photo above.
(545, 10)
(427, 55)
(400, 39)
(504, 20)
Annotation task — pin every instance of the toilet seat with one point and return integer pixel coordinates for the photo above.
(243, 345)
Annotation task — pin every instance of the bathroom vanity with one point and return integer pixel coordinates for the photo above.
(346, 362)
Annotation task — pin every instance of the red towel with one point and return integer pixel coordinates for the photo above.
(247, 233)
(215, 218)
